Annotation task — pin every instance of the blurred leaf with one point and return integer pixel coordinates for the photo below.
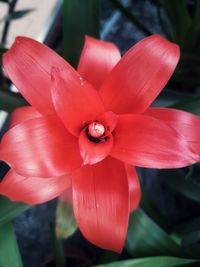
(150, 209)
(6, 1)
(9, 210)
(9, 101)
(193, 34)
(170, 97)
(191, 105)
(79, 18)
(150, 262)
(162, 21)
(179, 19)
(9, 252)
(185, 79)
(108, 256)
(57, 249)
(19, 14)
(2, 50)
(65, 221)
(125, 11)
(6, 27)
(189, 232)
(192, 58)
(146, 238)
(188, 227)
(178, 181)
(191, 238)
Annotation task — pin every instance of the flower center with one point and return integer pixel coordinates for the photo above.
(96, 129)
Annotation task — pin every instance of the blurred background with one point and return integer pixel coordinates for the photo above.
(165, 231)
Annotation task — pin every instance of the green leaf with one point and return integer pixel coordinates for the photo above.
(2, 50)
(193, 34)
(150, 262)
(191, 58)
(146, 238)
(189, 232)
(57, 249)
(10, 101)
(183, 78)
(19, 14)
(150, 209)
(9, 210)
(65, 221)
(79, 18)
(191, 238)
(188, 227)
(178, 181)
(9, 252)
(179, 19)
(191, 106)
(108, 256)
(169, 97)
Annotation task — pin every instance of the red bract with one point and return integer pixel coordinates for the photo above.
(85, 129)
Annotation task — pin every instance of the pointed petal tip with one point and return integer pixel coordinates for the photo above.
(101, 203)
(167, 149)
(140, 75)
(164, 41)
(97, 59)
(33, 190)
(48, 153)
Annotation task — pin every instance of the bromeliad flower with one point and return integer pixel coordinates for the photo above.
(86, 129)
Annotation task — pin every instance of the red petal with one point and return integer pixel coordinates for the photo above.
(91, 152)
(134, 187)
(33, 190)
(140, 75)
(147, 142)
(40, 147)
(97, 60)
(185, 123)
(23, 114)
(75, 101)
(66, 196)
(109, 119)
(28, 63)
(101, 203)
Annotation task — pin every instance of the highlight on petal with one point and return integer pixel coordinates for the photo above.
(134, 187)
(75, 101)
(148, 142)
(92, 152)
(101, 203)
(183, 122)
(140, 75)
(28, 64)
(40, 147)
(33, 190)
(23, 114)
(97, 60)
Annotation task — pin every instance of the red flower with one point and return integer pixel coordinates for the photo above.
(85, 129)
